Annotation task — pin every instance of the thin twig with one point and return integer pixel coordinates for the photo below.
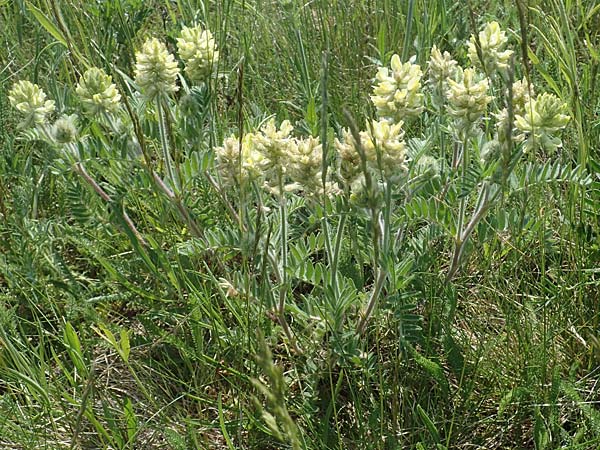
(80, 170)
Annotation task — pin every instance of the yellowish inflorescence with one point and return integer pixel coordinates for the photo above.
(198, 51)
(442, 67)
(275, 144)
(238, 165)
(155, 70)
(384, 149)
(275, 156)
(397, 92)
(273, 153)
(541, 119)
(521, 100)
(64, 130)
(97, 92)
(493, 41)
(468, 100)
(30, 100)
(306, 164)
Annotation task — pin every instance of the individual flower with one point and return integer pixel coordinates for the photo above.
(540, 121)
(467, 101)
(441, 68)
(64, 130)
(397, 93)
(155, 70)
(238, 165)
(198, 51)
(97, 92)
(30, 100)
(493, 41)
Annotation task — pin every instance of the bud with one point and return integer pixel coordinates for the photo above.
(198, 51)
(30, 100)
(492, 40)
(97, 92)
(155, 70)
(64, 130)
(397, 94)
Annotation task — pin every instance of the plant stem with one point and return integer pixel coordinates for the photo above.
(165, 146)
(80, 170)
(196, 231)
(283, 267)
(381, 276)
(381, 273)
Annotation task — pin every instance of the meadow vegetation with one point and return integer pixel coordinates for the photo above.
(314, 225)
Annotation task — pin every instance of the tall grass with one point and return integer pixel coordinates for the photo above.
(247, 320)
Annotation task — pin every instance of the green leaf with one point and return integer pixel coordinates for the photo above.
(433, 431)
(125, 345)
(434, 370)
(74, 348)
(47, 24)
(222, 425)
(131, 420)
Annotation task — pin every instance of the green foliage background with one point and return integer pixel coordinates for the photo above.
(108, 344)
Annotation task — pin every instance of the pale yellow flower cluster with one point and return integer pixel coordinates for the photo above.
(306, 164)
(493, 41)
(521, 100)
(467, 100)
(97, 92)
(541, 119)
(30, 100)
(442, 67)
(198, 51)
(276, 156)
(275, 144)
(155, 70)
(238, 163)
(384, 149)
(397, 92)
(536, 119)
